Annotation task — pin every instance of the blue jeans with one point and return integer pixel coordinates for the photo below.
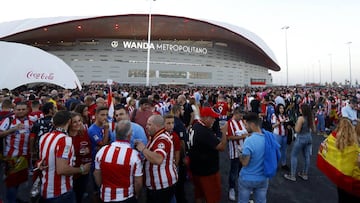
(68, 197)
(303, 144)
(321, 123)
(258, 187)
(282, 140)
(235, 167)
(11, 194)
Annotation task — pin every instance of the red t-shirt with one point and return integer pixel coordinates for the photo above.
(91, 112)
(263, 108)
(82, 148)
(223, 107)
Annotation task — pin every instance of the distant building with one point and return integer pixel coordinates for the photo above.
(184, 50)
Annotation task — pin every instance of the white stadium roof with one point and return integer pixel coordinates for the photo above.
(9, 29)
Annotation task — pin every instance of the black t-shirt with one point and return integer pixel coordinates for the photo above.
(255, 106)
(186, 117)
(40, 127)
(204, 158)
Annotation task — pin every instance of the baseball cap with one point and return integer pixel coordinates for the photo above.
(208, 112)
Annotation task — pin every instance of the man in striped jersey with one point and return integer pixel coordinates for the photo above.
(236, 133)
(16, 130)
(56, 162)
(118, 168)
(160, 169)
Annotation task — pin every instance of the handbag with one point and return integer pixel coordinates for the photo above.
(340, 166)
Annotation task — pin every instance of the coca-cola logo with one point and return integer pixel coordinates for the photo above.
(40, 76)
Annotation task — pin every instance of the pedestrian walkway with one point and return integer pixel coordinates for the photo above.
(316, 189)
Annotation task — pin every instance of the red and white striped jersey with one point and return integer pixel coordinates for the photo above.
(161, 108)
(306, 100)
(280, 129)
(17, 143)
(235, 128)
(327, 107)
(54, 145)
(36, 115)
(164, 175)
(119, 163)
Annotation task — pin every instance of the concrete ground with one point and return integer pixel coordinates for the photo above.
(317, 189)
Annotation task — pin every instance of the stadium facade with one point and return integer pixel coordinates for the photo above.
(184, 50)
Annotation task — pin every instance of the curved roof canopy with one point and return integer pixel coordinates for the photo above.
(22, 64)
(135, 26)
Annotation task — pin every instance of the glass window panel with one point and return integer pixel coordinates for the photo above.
(136, 73)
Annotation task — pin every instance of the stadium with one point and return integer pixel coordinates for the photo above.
(183, 50)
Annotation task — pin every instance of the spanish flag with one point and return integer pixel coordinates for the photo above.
(110, 104)
(340, 167)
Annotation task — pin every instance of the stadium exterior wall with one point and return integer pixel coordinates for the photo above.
(172, 62)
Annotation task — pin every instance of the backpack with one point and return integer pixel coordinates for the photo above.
(272, 154)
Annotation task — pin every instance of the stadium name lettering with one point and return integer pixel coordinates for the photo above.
(164, 47)
(40, 76)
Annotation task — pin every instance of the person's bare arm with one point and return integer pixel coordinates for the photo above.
(105, 139)
(138, 184)
(63, 168)
(97, 177)
(222, 145)
(11, 130)
(244, 159)
(177, 157)
(152, 157)
(299, 124)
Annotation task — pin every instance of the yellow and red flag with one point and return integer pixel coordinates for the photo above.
(340, 167)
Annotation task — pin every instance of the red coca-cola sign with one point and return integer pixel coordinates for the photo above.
(40, 76)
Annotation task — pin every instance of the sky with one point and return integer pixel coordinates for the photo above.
(317, 37)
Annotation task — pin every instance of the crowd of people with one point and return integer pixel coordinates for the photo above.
(141, 144)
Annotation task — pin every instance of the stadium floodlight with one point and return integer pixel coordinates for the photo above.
(286, 52)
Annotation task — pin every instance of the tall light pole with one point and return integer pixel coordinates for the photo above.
(349, 43)
(148, 48)
(331, 74)
(286, 51)
(319, 72)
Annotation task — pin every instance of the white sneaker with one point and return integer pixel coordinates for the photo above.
(232, 194)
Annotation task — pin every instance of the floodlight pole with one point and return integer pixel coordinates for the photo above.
(319, 72)
(331, 73)
(286, 51)
(349, 43)
(148, 48)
